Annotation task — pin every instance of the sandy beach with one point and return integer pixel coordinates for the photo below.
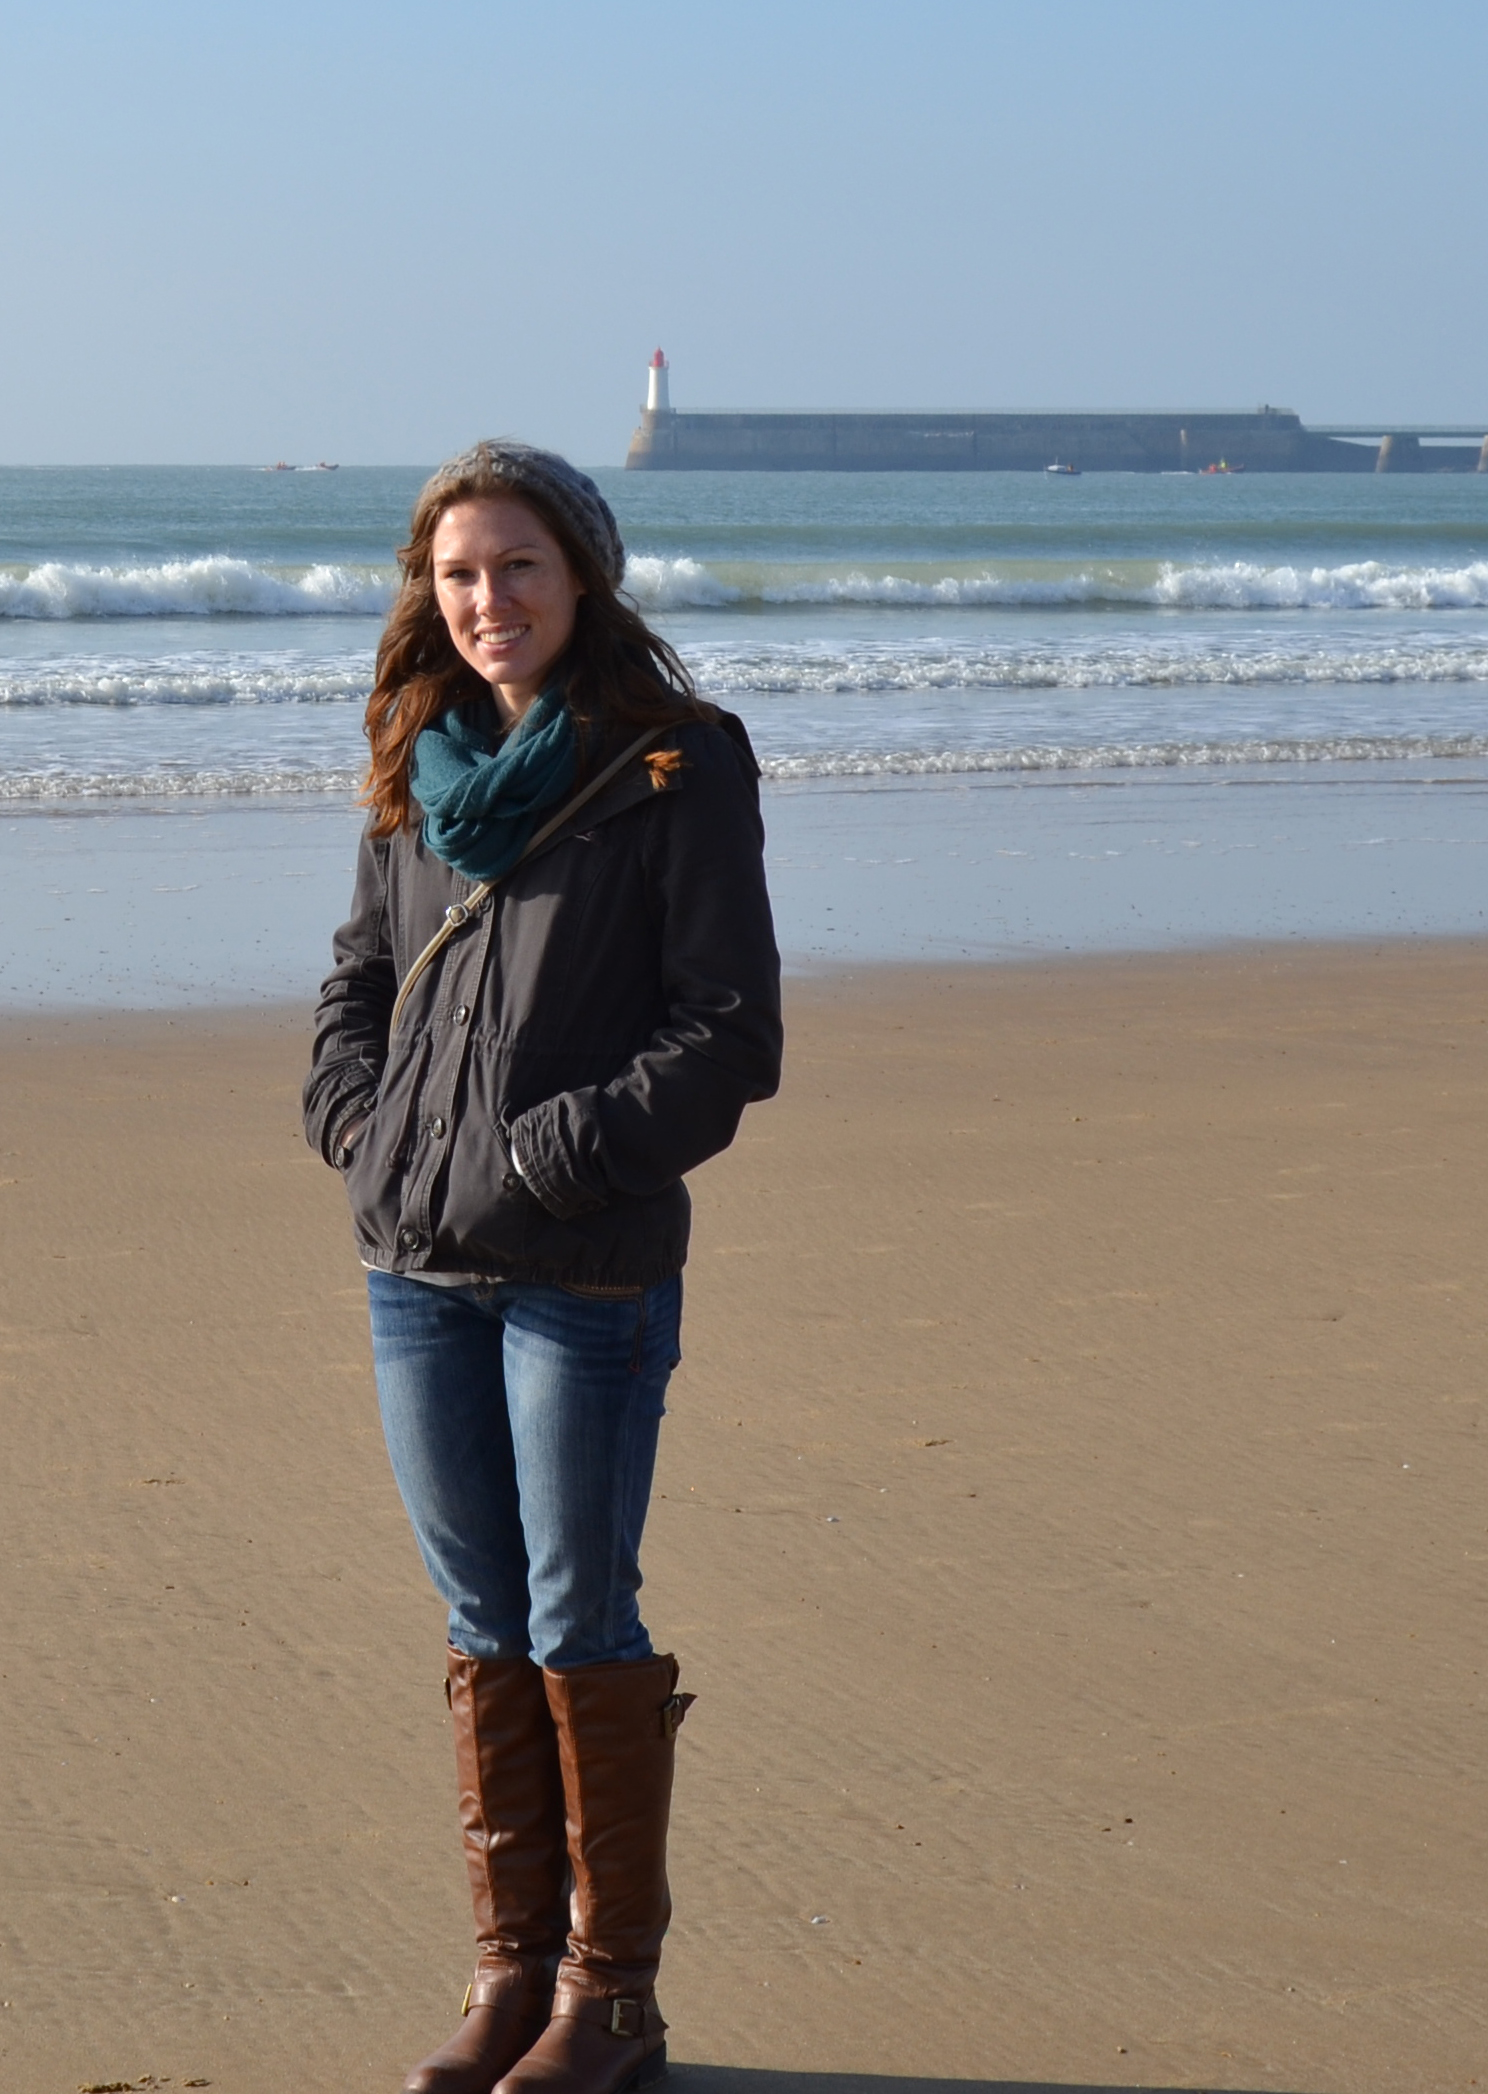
(1070, 1518)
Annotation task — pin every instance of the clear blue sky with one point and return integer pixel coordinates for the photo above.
(370, 232)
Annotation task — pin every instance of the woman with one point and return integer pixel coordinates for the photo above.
(513, 1112)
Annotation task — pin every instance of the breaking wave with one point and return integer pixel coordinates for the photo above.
(56, 786)
(214, 586)
(1123, 756)
(217, 679)
(1364, 585)
(187, 681)
(737, 671)
(1116, 664)
(219, 586)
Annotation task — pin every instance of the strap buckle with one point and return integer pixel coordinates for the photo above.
(465, 2003)
(672, 1713)
(627, 2018)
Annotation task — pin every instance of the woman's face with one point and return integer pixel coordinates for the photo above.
(507, 594)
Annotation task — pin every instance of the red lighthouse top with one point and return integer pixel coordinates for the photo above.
(658, 362)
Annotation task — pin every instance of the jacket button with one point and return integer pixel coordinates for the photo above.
(436, 1128)
(462, 1013)
(511, 1181)
(408, 1239)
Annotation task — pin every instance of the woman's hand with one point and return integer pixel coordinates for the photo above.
(347, 1138)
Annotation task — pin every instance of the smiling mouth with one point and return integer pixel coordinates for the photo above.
(501, 636)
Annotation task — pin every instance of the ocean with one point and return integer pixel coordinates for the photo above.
(199, 639)
(211, 631)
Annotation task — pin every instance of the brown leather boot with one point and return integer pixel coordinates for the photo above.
(512, 1816)
(616, 1727)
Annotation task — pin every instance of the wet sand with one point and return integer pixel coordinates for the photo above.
(1070, 1517)
(141, 904)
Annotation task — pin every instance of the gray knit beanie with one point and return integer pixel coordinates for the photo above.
(524, 469)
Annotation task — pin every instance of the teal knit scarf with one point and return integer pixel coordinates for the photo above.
(481, 804)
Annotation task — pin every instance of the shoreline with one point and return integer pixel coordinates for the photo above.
(213, 904)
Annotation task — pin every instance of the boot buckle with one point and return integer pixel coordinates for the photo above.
(465, 2003)
(672, 1713)
(627, 2017)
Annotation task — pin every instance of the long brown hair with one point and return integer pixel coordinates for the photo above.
(615, 672)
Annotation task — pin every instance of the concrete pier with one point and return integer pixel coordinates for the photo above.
(1269, 440)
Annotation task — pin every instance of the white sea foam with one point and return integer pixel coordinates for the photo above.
(1124, 756)
(1363, 585)
(1121, 663)
(671, 585)
(1124, 661)
(219, 585)
(55, 786)
(200, 588)
(225, 679)
(661, 584)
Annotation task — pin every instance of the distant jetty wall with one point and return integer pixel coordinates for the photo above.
(1273, 440)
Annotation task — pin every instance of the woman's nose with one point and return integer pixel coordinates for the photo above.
(489, 592)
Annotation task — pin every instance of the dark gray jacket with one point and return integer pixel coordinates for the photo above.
(603, 1020)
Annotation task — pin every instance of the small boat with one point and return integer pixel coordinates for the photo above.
(324, 468)
(1064, 472)
(1223, 467)
(281, 466)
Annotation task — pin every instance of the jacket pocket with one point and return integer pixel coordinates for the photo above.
(380, 1153)
(409, 1089)
(482, 1206)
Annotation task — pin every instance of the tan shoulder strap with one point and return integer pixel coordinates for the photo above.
(461, 912)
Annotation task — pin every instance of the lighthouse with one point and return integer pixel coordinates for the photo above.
(655, 442)
(658, 399)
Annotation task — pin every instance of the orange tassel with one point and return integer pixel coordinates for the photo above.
(663, 764)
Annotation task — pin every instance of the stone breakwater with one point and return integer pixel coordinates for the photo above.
(1272, 440)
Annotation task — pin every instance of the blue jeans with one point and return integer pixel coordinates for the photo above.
(522, 1423)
